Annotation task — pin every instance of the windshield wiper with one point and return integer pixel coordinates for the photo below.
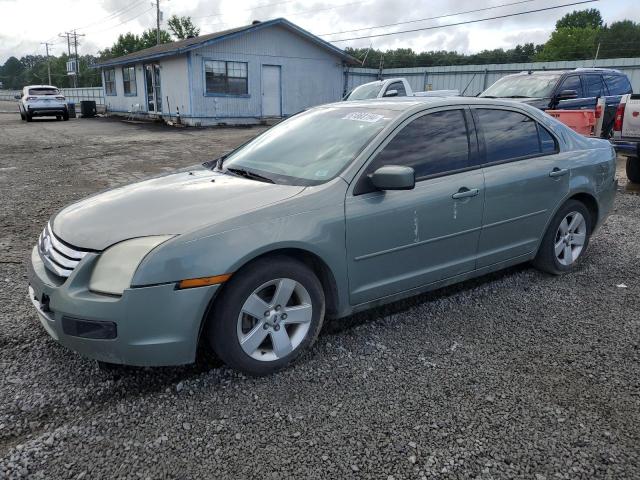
(516, 96)
(242, 172)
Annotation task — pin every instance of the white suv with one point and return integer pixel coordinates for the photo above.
(42, 101)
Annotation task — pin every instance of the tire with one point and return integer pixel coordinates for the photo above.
(278, 340)
(28, 117)
(561, 247)
(65, 116)
(633, 169)
(58, 117)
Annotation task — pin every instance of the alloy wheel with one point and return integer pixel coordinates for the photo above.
(570, 238)
(274, 319)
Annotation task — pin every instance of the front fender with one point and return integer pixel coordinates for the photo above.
(320, 232)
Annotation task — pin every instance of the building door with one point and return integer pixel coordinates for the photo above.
(271, 91)
(153, 91)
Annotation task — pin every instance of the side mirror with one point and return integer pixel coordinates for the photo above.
(17, 97)
(567, 95)
(391, 93)
(393, 177)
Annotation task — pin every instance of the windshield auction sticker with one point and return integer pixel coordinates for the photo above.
(363, 117)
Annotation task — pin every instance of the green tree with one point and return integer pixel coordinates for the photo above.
(589, 18)
(182, 27)
(149, 38)
(620, 40)
(570, 43)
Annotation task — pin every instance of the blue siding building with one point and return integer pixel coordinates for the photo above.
(268, 69)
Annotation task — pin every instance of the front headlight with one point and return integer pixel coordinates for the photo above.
(114, 269)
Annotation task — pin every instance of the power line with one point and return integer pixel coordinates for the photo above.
(114, 15)
(429, 18)
(462, 23)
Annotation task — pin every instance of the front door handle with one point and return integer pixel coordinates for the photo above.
(558, 172)
(464, 192)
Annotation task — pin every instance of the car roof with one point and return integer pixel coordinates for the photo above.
(409, 103)
(567, 72)
(40, 86)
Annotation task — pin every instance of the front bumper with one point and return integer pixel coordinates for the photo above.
(155, 326)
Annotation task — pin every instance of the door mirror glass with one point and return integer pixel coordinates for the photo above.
(391, 93)
(567, 95)
(393, 177)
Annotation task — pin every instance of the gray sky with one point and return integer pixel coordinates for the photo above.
(26, 23)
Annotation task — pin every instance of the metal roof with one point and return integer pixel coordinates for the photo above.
(183, 46)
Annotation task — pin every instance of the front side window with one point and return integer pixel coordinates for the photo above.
(227, 78)
(510, 135)
(311, 147)
(399, 87)
(110, 81)
(432, 144)
(572, 83)
(129, 80)
(617, 84)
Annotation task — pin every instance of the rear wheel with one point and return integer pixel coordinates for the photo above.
(565, 240)
(267, 316)
(633, 169)
(65, 116)
(58, 117)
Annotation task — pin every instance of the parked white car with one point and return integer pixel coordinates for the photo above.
(626, 134)
(42, 101)
(393, 87)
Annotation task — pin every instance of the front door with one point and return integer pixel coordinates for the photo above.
(271, 91)
(153, 90)
(525, 181)
(400, 240)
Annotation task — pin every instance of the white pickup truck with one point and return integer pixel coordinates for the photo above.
(626, 134)
(392, 87)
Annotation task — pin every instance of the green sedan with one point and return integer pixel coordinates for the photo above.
(338, 209)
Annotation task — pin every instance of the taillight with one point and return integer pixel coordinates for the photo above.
(32, 98)
(598, 111)
(59, 98)
(617, 123)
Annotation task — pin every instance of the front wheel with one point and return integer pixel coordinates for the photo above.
(28, 117)
(633, 169)
(268, 314)
(565, 240)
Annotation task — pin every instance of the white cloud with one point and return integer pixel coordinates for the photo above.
(103, 21)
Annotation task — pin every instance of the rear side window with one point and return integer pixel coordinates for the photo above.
(617, 84)
(593, 86)
(432, 144)
(399, 86)
(572, 83)
(510, 135)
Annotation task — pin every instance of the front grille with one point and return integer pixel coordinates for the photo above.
(58, 257)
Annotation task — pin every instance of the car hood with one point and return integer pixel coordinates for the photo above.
(170, 204)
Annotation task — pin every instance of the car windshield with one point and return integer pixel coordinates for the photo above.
(44, 91)
(366, 91)
(309, 148)
(521, 86)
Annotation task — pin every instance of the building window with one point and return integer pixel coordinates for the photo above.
(226, 78)
(110, 81)
(129, 80)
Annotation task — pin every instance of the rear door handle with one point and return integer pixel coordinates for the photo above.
(558, 172)
(464, 192)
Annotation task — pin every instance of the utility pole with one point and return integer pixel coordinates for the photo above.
(158, 13)
(75, 66)
(46, 46)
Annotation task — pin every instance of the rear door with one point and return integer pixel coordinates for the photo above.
(526, 178)
(400, 240)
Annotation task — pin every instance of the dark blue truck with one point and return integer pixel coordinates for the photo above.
(566, 90)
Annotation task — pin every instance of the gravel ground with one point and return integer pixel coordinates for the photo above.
(516, 374)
